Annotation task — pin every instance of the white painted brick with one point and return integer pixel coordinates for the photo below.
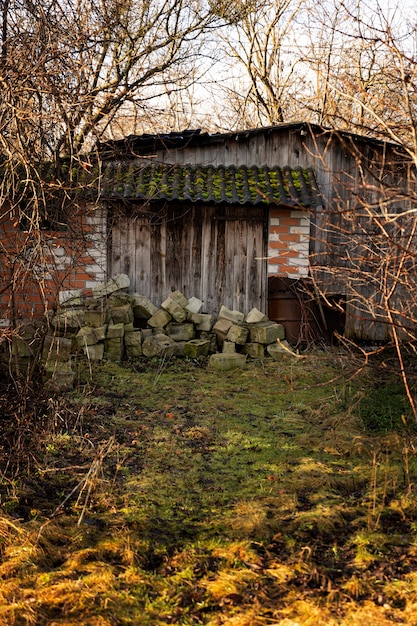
(90, 284)
(300, 230)
(299, 262)
(274, 221)
(92, 268)
(95, 253)
(305, 221)
(63, 262)
(299, 214)
(97, 222)
(299, 245)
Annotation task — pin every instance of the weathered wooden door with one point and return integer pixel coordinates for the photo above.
(217, 254)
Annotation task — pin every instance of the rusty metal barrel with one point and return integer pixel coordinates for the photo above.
(290, 305)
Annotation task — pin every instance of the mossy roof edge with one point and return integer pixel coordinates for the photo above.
(242, 185)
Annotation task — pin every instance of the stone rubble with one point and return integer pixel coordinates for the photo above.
(116, 325)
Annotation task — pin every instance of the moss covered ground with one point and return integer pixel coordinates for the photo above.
(169, 493)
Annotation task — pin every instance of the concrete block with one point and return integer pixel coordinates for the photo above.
(196, 347)
(180, 332)
(158, 345)
(255, 316)
(56, 348)
(254, 350)
(280, 350)
(121, 281)
(70, 320)
(160, 319)
(266, 332)
(61, 380)
(85, 337)
(94, 317)
(115, 331)
(113, 348)
(70, 297)
(121, 314)
(95, 352)
(202, 321)
(179, 297)
(237, 334)
(194, 305)
(175, 309)
(133, 344)
(221, 328)
(60, 376)
(119, 298)
(210, 337)
(233, 316)
(93, 303)
(227, 362)
(143, 308)
(101, 332)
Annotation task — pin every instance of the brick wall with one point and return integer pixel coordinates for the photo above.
(35, 266)
(288, 245)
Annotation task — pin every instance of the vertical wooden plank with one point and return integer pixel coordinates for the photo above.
(114, 257)
(256, 260)
(220, 260)
(128, 252)
(209, 268)
(237, 258)
(158, 287)
(123, 247)
(196, 252)
(184, 252)
(173, 247)
(142, 236)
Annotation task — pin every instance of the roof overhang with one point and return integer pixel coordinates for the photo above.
(237, 185)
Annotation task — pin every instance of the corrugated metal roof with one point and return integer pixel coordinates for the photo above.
(134, 146)
(209, 184)
(138, 145)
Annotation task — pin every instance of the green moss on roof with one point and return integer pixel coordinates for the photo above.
(210, 184)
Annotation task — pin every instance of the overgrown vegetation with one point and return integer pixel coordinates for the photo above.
(166, 494)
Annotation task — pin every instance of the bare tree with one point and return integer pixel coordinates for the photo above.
(370, 89)
(262, 70)
(68, 70)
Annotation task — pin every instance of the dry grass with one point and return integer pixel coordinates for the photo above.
(182, 498)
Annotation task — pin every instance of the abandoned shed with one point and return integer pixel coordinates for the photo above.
(264, 218)
(288, 211)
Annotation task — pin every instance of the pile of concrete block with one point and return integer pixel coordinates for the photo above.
(113, 324)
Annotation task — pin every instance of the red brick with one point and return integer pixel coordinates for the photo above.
(291, 237)
(277, 245)
(278, 229)
(289, 221)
